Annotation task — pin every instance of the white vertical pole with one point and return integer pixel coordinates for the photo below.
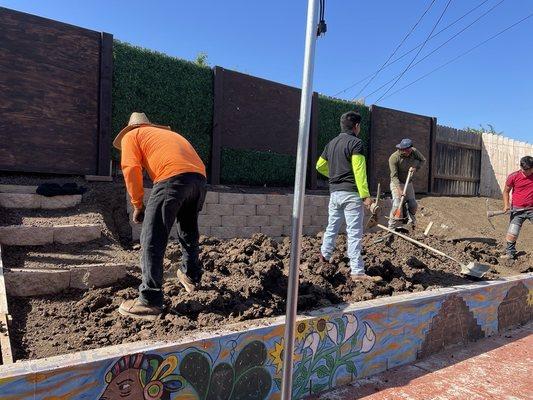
(299, 194)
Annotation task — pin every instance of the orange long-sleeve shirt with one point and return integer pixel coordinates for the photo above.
(161, 152)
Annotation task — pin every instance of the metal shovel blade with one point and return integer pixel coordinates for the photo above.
(475, 269)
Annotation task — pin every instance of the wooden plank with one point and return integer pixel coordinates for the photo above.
(105, 103)
(98, 178)
(428, 228)
(457, 144)
(432, 161)
(218, 121)
(456, 178)
(5, 342)
(3, 296)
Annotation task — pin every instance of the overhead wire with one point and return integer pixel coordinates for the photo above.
(459, 56)
(413, 49)
(418, 52)
(397, 48)
(438, 47)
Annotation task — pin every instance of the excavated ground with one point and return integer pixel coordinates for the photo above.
(243, 279)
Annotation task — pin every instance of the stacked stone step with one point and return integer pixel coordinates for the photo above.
(31, 282)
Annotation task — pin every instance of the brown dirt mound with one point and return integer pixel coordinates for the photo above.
(243, 279)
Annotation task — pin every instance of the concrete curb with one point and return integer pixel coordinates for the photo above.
(334, 346)
(26, 235)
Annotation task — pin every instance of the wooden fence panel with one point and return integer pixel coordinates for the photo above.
(457, 162)
(55, 104)
(500, 156)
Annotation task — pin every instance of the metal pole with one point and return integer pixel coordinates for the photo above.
(299, 193)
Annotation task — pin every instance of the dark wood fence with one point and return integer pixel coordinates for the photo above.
(251, 113)
(55, 96)
(457, 162)
(387, 128)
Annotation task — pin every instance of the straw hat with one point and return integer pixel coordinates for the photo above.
(136, 119)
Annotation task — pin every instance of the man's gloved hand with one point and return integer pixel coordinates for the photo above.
(412, 170)
(138, 215)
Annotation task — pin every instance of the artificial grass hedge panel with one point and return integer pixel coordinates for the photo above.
(329, 113)
(169, 90)
(256, 168)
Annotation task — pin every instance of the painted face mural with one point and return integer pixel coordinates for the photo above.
(142, 377)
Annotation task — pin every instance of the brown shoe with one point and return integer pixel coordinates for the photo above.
(322, 259)
(136, 309)
(366, 278)
(186, 281)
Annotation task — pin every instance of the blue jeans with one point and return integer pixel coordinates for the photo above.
(347, 206)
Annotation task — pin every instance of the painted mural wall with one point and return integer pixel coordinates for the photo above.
(331, 350)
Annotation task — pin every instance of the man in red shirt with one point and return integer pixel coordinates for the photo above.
(521, 207)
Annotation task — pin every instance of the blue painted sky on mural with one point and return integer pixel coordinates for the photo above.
(490, 85)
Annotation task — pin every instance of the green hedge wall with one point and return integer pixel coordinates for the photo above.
(329, 113)
(244, 167)
(179, 93)
(256, 168)
(169, 90)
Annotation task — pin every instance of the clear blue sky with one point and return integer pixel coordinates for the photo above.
(493, 84)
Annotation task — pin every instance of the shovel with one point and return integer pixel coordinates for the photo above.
(473, 268)
(399, 211)
(374, 209)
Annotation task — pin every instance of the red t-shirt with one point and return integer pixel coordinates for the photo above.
(522, 194)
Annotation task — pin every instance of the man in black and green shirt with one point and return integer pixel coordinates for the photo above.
(344, 164)
(405, 159)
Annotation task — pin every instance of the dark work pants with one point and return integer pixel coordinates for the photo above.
(180, 199)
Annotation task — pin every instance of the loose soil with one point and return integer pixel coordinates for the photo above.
(243, 279)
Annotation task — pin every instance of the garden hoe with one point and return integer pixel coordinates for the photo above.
(374, 210)
(491, 214)
(473, 268)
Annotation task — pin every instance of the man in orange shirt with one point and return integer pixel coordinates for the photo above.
(178, 195)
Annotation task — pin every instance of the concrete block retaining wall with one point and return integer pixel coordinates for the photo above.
(335, 346)
(237, 215)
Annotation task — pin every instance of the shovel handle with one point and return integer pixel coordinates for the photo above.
(398, 212)
(425, 246)
(491, 214)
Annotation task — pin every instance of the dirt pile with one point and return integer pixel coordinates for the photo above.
(243, 279)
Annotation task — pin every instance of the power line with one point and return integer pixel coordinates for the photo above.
(414, 48)
(440, 46)
(418, 52)
(397, 48)
(459, 56)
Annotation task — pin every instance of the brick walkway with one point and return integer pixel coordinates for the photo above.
(500, 367)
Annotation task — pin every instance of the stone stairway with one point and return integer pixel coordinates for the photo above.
(49, 244)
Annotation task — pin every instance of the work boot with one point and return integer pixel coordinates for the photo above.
(136, 309)
(510, 251)
(187, 283)
(365, 278)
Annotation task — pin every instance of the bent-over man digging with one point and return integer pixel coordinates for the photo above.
(178, 195)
